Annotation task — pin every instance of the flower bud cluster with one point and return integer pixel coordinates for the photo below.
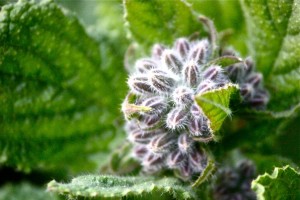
(169, 120)
(250, 82)
(235, 183)
(159, 149)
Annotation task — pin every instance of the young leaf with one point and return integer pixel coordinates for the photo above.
(52, 89)
(106, 186)
(283, 183)
(273, 29)
(215, 104)
(159, 21)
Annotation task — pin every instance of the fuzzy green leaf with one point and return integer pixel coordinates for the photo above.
(215, 105)
(159, 21)
(274, 41)
(283, 184)
(25, 191)
(106, 186)
(55, 101)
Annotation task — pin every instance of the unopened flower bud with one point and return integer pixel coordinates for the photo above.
(153, 162)
(157, 51)
(183, 96)
(176, 118)
(199, 129)
(247, 91)
(249, 66)
(197, 161)
(196, 111)
(161, 81)
(185, 143)
(150, 121)
(139, 84)
(157, 104)
(161, 143)
(182, 46)
(260, 99)
(200, 52)
(191, 73)
(232, 71)
(175, 159)
(140, 151)
(205, 86)
(144, 65)
(216, 74)
(172, 61)
(142, 137)
(254, 79)
(185, 171)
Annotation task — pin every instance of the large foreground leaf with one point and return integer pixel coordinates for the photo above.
(116, 187)
(274, 41)
(25, 191)
(283, 184)
(55, 101)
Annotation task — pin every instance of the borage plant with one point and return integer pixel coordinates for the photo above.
(206, 111)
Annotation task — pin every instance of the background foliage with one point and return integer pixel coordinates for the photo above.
(62, 80)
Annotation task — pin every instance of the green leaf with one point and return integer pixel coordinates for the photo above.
(106, 186)
(283, 184)
(253, 128)
(215, 105)
(55, 99)
(159, 21)
(25, 191)
(274, 38)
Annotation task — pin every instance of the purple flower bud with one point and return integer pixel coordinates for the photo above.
(152, 163)
(247, 169)
(132, 125)
(185, 171)
(254, 79)
(185, 143)
(182, 45)
(157, 51)
(150, 121)
(176, 118)
(233, 71)
(197, 161)
(140, 151)
(205, 86)
(175, 159)
(200, 52)
(215, 74)
(144, 65)
(183, 96)
(141, 137)
(172, 61)
(260, 99)
(157, 104)
(161, 81)
(199, 129)
(249, 66)
(139, 84)
(191, 73)
(247, 91)
(196, 111)
(161, 143)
